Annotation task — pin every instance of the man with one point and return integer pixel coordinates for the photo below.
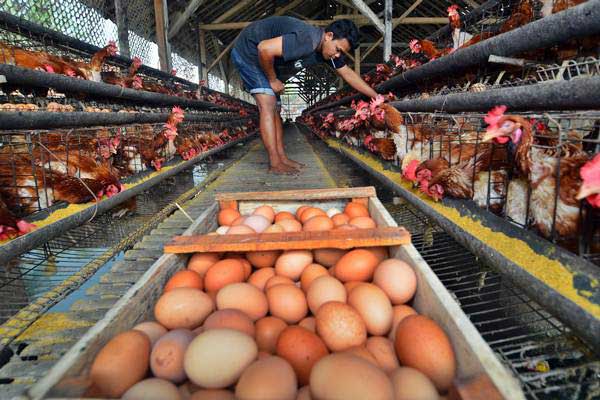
(271, 50)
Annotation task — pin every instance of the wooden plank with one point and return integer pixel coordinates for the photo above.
(122, 27)
(308, 194)
(224, 204)
(184, 17)
(367, 12)
(203, 73)
(290, 240)
(387, 36)
(359, 20)
(480, 387)
(162, 25)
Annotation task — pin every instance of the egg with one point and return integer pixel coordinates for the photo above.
(397, 279)
(222, 273)
(421, 344)
(362, 352)
(240, 230)
(260, 277)
(152, 389)
(268, 330)
(363, 222)
(292, 262)
(354, 210)
(239, 221)
(340, 326)
(411, 384)
(268, 378)
(166, 359)
(258, 223)
(318, 223)
(310, 213)
(216, 358)
(275, 228)
(121, 363)
(324, 289)
(213, 394)
(351, 285)
(244, 297)
(340, 219)
(185, 278)
(247, 268)
(290, 225)
(152, 329)
(381, 252)
(281, 215)
(328, 257)
(278, 280)
(300, 210)
(287, 302)
(310, 273)
(230, 319)
(373, 306)
(356, 265)
(222, 230)
(332, 211)
(398, 314)
(265, 211)
(183, 308)
(383, 350)
(302, 349)
(263, 259)
(201, 262)
(309, 323)
(345, 376)
(227, 216)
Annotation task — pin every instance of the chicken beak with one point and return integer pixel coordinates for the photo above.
(492, 134)
(587, 190)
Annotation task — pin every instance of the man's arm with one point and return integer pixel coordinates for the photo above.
(267, 51)
(356, 81)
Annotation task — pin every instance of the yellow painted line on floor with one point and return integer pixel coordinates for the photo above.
(551, 272)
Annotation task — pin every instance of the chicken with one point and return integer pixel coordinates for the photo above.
(459, 38)
(590, 187)
(11, 226)
(92, 70)
(382, 146)
(428, 48)
(39, 60)
(521, 15)
(129, 81)
(561, 5)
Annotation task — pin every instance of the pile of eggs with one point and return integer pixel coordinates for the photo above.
(298, 324)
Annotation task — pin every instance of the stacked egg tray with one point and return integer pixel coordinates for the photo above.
(285, 295)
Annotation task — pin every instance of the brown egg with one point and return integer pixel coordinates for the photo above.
(239, 221)
(247, 268)
(340, 326)
(397, 279)
(423, 345)
(281, 215)
(304, 393)
(217, 357)
(340, 219)
(345, 376)
(263, 259)
(230, 319)
(354, 210)
(183, 308)
(323, 289)
(380, 252)
(244, 297)
(383, 350)
(328, 257)
(351, 285)
(363, 222)
(224, 272)
(373, 306)
(290, 225)
(240, 230)
(411, 384)
(362, 352)
(310, 273)
(302, 349)
(318, 223)
(227, 216)
(268, 378)
(292, 262)
(166, 359)
(268, 330)
(152, 389)
(278, 280)
(121, 363)
(213, 394)
(300, 210)
(287, 302)
(267, 212)
(356, 265)
(201, 262)
(310, 213)
(309, 323)
(152, 329)
(184, 278)
(260, 277)
(257, 222)
(399, 313)
(275, 228)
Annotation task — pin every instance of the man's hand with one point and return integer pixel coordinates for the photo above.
(277, 86)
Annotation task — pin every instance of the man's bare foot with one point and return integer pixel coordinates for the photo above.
(282, 169)
(293, 164)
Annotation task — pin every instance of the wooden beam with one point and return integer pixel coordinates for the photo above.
(387, 36)
(287, 7)
(182, 18)
(221, 66)
(367, 12)
(232, 11)
(162, 25)
(203, 73)
(357, 60)
(359, 20)
(222, 54)
(122, 27)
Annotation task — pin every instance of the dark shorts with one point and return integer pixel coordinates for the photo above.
(254, 79)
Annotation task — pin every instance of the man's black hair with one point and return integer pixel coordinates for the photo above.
(344, 29)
